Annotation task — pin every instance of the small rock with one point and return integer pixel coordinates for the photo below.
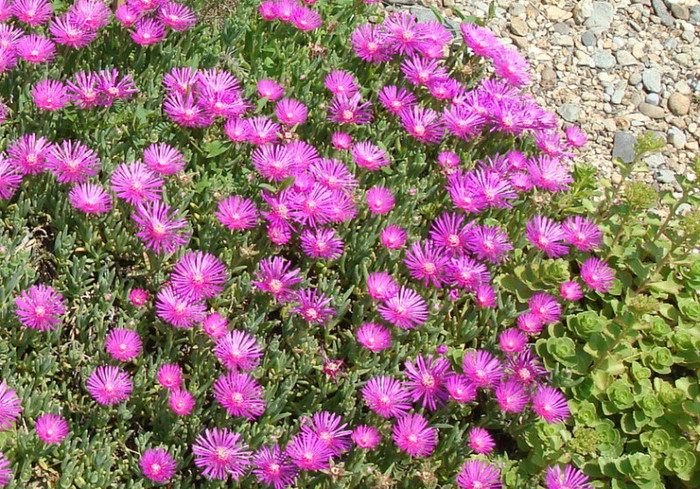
(519, 27)
(623, 146)
(557, 14)
(522, 42)
(671, 44)
(655, 161)
(569, 112)
(603, 59)
(662, 12)
(683, 87)
(688, 33)
(563, 41)
(423, 14)
(635, 78)
(588, 39)
(678, 103)
(652, 111)
(651, 78)
(625, 58)
(516, 9)
(561, 28)
(601, 16)
(549, 75)
(652, 98)
(695, 14)
(684, 208)
(638, 50)
(676, 137)
(666, 177)
(680, 11)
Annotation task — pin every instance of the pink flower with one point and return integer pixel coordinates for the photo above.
(198, 276)
(170, 376)
(386, 397)
(489, 243)
(478, 474)
(291, 112)
(370, 156)
(138, 297)
(571, 478)
(393, 237)
(93, 14)
(341, 82)
(70, 31)
(350, 110)
(10, 407)
(238, 350)
(512, 341)
(306, 19)
(406, 310)
(215, 325)
(51, 428)
(50, 95)
(480, 441)
(460, 388)
(425, 262)
(176, 16)
(545, 307)
(109, 385)
(341, 140)
(273, 468)
(35, 48)
(135, 183)
(10, 178)
(597, 274)
(404, 33)
(485, 296)
(147, 32)
(158, 465)
(111, 87)
(413, 435)
(179, 311)
(72, 162)
(381, 286)
(270, 89)
(5, 470)
(530, 323)
(308, 452)
(220, 453)
(330, 429)
(511, 396)
(550, 405)
(374, 337)
(90, 198)
(32, 12)
(126, 15)
(240, 394)
(40, 307)
(276, 278)
(313, 306)
(546, 235)
(380, 200)
(29, 154)
(582, 233)
(123, 344)
(480, 39)
(321, 243)
(366, 437)
(424, 125)
(571, 291)
(426, 380)
(482, 368)
(158, 227)
(512, 67)
(396, 99)
(181, 402)
(163, 158)
(467, 273)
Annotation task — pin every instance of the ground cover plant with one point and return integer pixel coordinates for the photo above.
(312, 245)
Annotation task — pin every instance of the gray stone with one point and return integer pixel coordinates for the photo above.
(652, 98)
(652, 111)
(625, 58)
(662, 12)
(603, 59)
(683, 87)
(678, 103)
(635, 78)
(671, 44)
(601, 15)
(695, 14)
(519, 27)
(651, 78)
(549, 75)
(588, 39)
(680, 11)
(688, 33)
(655, 161)
(561, 28)
(618, 95)
(423, 14)
(676, 137)
(666, 177)
(517, 9)
(623, 146)
(569, 112)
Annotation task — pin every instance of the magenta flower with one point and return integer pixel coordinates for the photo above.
(50, 95)
(460, 388)
(492, 189)
(179, 311)
(511, 396)
(291, 112)
(158, 228)
(386, 397)
(270, 89)
(51, 428)
(198, 276)
(5, 10)
(393, 237)
(370, 43)
(313, 306)
(427, 264)
(111, 87)
(510, 65)
(425, 125)
(308, 452)
(84, 91)
(345, 109)
(512, 341)
(321, 243)
(181, 402)
(176, 16)
(332, 174)
(123, 344)
(274, 162)
(545, 307)
(163, 158)
(366, 437)
(449, 233)
(32, 12)
(374, 337)
(480, 39)
(272, 467)
(381, 286)
(571, 478)
(341, 82)
(184, 111)
(396, 99)
(426, 379)
(526, 368)
(330, 429)
(485, 296)
(380, 200)
(582, 233)
(480, 441)
(467, 273)
(479, 474)
(10, 407)
(221, 453)
(597, 274)
(238, 350)
(369, 155)
(215, 325)
(72, 162)
(29, 154)
(240, 394)
(10, 178)
(306, 19)
(126, 15)
(138, 297)
(530, 323)
(147, 32)
(406, 310)
(135, 183)
(170, 376)
(90, 198)
(482, 368)
(109, 385)
(236, 130)
(5, 470)
(181, 80)
(40, 307)
(546, 235)
(489, 243)
(576, 137)
(549, 174)
(570, 291)
(412, 434)
(158, 465)
(237, 213)
(35, 48)
(93, 14)
(262, 130)
(276, 278)
(550, 404)
(404, 32)
(341, 140)
(422, 71)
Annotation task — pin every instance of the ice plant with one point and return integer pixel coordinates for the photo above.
(10, 407)
(547, 235)
(238, 350)
(570, 478)
(426, 380)
(28, 154)
(276, 278)
(237, 212)
(380, 200)
(198, 276)
(5, 470)
(381, 286)
(240, 394)
(35, 49)
(72, 162)
(413, 435)
(406, 310)
(170, 376)
(374, 337)
(159, 228)
(478, 474)
(123, 344)
(90, 198)
(366, 437)
(330, 429)
(308, 452)
(135, 183)
(179, 311)
(571, 291)
(550, 404)
(272, 467)
(597, 274)
(51, 428)
(10, 179)
(215, 325)
(138, 297)
(50, 95)
(109, 385)
(220, 453)
(482, 368)
(163, 158)
(393, 237)
(386, 397)
(181, 402)
(158, 465)
(40, 307)
(480, 441)
(313, 306)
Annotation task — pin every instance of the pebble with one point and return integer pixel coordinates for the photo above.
(666, 176)
(680, 11)
(676, 137)
(557, 14)
(662, 12)
(601, 15)
(652, 111)
(695, 14)
(655, 160)
(623, 146)
(652, 98)
(519, 27)
(588, 39)
(625, 58)
(561, 28)
(682, 87)
(635, 78)
(678, 103)
(569, 112)
(603, 59)
(549, 75)
(651, 78)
